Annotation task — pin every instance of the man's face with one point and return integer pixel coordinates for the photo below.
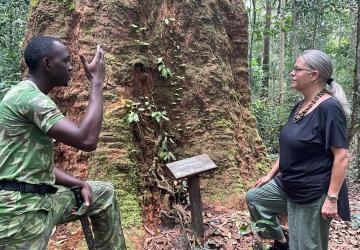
(61, 68)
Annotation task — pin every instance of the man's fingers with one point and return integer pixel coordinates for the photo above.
(97, 57)
(83, 60)
(103, 55)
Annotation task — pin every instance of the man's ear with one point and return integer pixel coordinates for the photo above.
(46, 64)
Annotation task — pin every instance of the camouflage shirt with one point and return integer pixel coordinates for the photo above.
(26, 152)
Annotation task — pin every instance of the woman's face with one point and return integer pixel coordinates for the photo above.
(301, 75)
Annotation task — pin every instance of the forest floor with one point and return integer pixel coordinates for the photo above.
(221, 232)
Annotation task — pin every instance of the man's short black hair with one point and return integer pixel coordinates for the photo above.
(38, 48)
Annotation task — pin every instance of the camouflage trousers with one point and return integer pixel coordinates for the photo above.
(32, 230)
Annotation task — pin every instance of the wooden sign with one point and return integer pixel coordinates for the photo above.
(191, 166)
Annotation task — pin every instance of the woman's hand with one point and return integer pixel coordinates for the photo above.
(95, 71)
(263, 180)
(329, 209)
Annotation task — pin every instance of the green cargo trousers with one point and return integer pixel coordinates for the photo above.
(307, 229)
(33, 229)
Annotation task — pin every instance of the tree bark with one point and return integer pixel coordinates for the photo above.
(354, 135)
(295, 32)
(355, 114)
(253, 23)
(266, 50)
(282, 52)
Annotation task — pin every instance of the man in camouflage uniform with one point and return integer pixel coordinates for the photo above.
(34, 195)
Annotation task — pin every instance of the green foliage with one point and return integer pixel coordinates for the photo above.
(13, 16)
(254, 227)
(34, 3)
(4, 87)
(145, 109)
(138, 29)
(164, 71)
(355, 224)
(270, 119)
(140, 32)
(159, 115)
(168, 20)
(246, 227)
(71, 6)
(167, 145)
(132, 117)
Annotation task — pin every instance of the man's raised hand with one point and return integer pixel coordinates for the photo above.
(95, 71)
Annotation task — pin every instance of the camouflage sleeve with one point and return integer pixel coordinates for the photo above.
(40, 109)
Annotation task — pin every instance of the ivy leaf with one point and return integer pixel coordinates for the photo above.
(132, 117)
(244, 230)
(159, 60)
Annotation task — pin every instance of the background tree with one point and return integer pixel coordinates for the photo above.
(266, 53)
(13, 17)
(354, 135)
(281, 51)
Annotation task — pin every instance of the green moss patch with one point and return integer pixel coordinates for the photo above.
(119, 166)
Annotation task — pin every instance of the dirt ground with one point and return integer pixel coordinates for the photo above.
(221, 232)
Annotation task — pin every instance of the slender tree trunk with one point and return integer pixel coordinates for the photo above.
(318, 17)
(282, 53)
(354, 135)
(295, 33)
(356, 97)
(252, 39)
(266, 54)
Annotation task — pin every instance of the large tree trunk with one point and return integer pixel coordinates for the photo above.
(204, 44)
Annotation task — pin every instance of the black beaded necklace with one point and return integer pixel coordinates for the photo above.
(299, 115)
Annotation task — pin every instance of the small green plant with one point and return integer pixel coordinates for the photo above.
(166, 153)
(355, 224)
(88, 31)
(138, 29)
(164, 71)
(254, 227)
(34, 3)
(146, 108)
(134, 111)
(159, 115)
(247, 227)
(168, 20)
(132, 117)
(71, 6)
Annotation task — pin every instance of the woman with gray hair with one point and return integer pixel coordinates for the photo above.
(306, 180)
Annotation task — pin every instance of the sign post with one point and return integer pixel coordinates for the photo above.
(190, 168)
